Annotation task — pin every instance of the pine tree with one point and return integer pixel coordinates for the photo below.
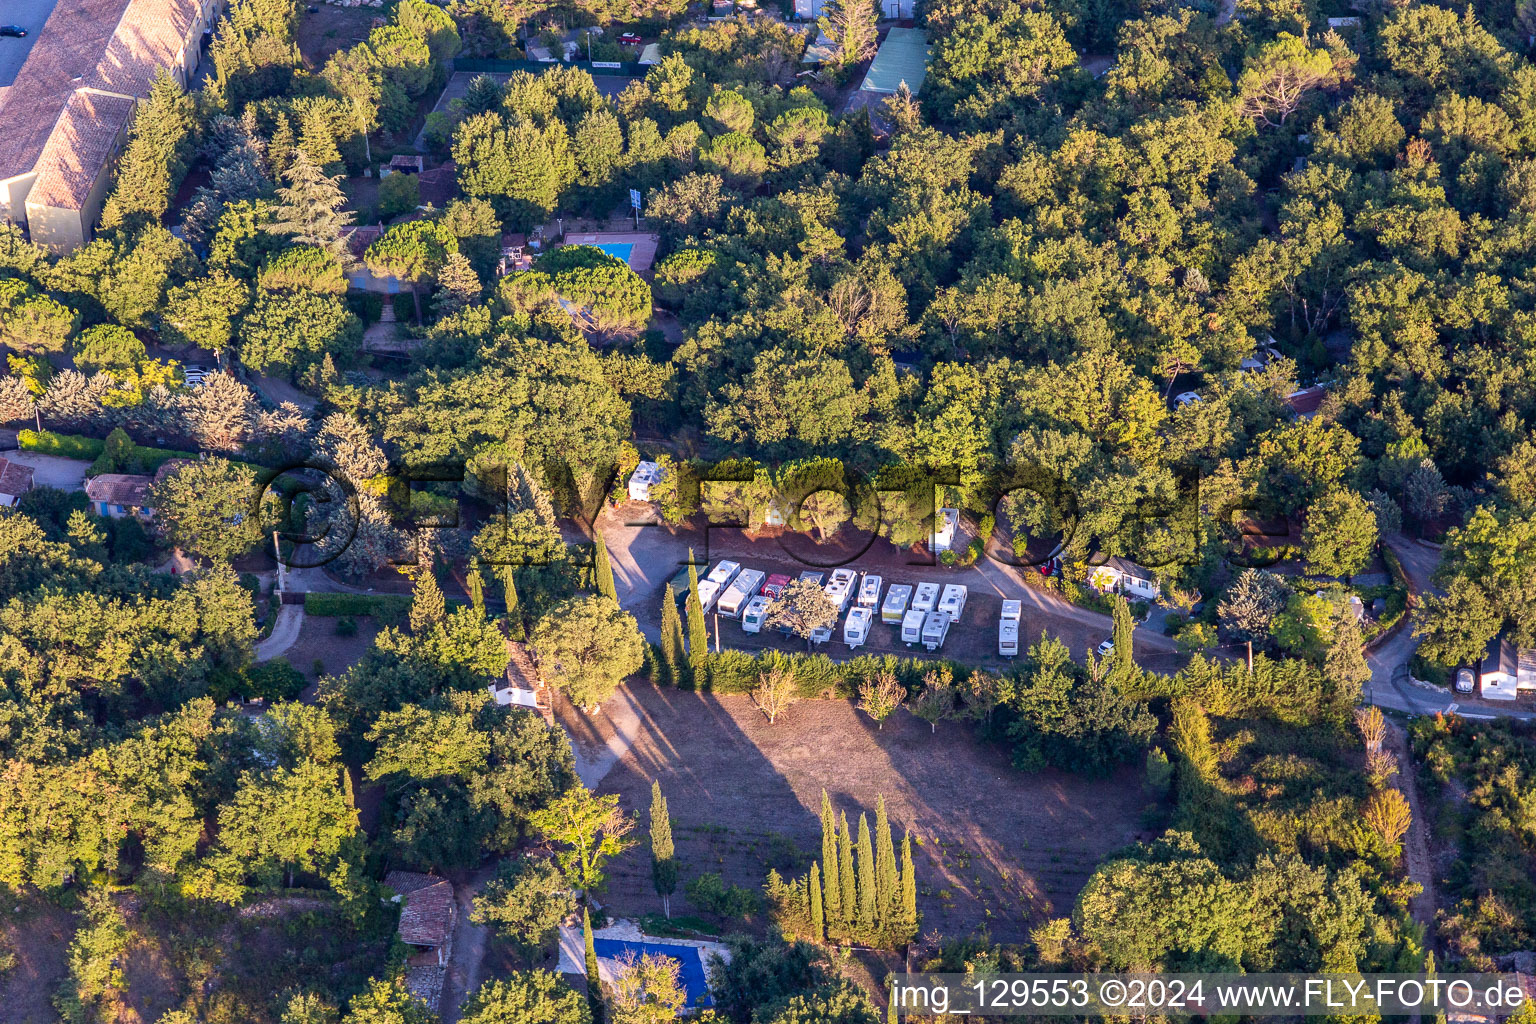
(818, 927)
(907, 922)
(602, 571)
(475, 583)
(698, 634)
(887, 898)
(309, 208)
(1345, 667)
(832, 904)
(152, 164)
(866, 862)
(663, 854)
(427, 605)
(458, 286)
(594, 978)
(847, 896)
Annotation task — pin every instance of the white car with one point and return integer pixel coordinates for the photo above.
(1184, 398)
(1106, 648)
(1463, 680)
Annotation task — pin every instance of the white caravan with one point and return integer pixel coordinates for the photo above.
(1008, 629)
(895, 606)
(856, 629)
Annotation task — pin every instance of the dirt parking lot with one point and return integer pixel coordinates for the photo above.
(996, 848)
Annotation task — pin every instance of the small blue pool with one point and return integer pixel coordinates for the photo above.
(619, 249)
(692, 972)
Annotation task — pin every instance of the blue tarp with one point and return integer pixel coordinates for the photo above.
(692, 972)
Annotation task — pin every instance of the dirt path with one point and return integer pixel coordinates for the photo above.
(1416, 843)
(469, 942)
(285, 632)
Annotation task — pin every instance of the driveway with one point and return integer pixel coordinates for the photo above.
(52, 470)
(30, 15)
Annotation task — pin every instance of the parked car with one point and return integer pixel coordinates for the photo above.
(14, 31)
(1463, 680)
(629, 39)
(1106, 648)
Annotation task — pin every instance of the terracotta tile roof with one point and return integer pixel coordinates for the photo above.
(427, 917)
(80, 146)
(108, 45)
(124, 489)
(1307, 401)
(15, 478)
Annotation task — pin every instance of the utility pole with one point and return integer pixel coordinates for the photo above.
(717, 632)
(1250, 657)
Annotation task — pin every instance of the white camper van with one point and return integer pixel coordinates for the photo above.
(1008, 629)
(926, 598)
(953, 601)
(742, 589)
(840, 588)
(709, 593)
(856, 629)
(869, 591)
(723, 572)
(754, 614)
(935, 629)
(895, 604)
(912, 627)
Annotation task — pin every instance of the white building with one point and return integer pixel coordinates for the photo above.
(944, 529)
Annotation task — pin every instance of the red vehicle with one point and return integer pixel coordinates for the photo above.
(775, 585)
(629, 39)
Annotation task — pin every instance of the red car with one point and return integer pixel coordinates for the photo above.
(629, 39)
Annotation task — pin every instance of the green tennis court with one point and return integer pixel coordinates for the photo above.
(903, 57)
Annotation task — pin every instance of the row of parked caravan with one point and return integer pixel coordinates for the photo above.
(923, 614)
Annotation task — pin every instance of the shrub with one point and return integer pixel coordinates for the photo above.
(89, 449)
(346, 626)
(710, 893)
(398, 193)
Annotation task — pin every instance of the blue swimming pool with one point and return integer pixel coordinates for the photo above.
(692, 972)
(619, 249)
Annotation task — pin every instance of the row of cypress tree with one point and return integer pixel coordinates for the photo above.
(856, 893)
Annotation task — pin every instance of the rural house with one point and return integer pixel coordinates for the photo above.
(1499, 672)
(1122, 576)
(65, 118)
(15, 480)
(119, 495)
(427, 916)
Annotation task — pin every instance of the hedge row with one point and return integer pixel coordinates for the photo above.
(337, 605)
(817, 675)
(89, 449)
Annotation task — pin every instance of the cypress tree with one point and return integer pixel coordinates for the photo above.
(671, 638)
(508, 589)
(818, 929)
(602, 571)
(663, 855)
(594, 979)
(698, 635)
(1122, 661)
(866, 861)
(848, 897)
(886, 895)
(833, 905)
(475, 583)
(346, 787)
(427, 604)
(908, 920)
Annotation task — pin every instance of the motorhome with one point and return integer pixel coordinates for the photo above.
(723, 572)
(742, 589)
(755, 614)
(856, 629)
(953, 601)
(869, 591)
(935, 629)
(709, 593)
(840, 588)
(926, 598)
(944, 529)
(912, 627)
(895, 606)
(645, 476)
(1008, 629)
